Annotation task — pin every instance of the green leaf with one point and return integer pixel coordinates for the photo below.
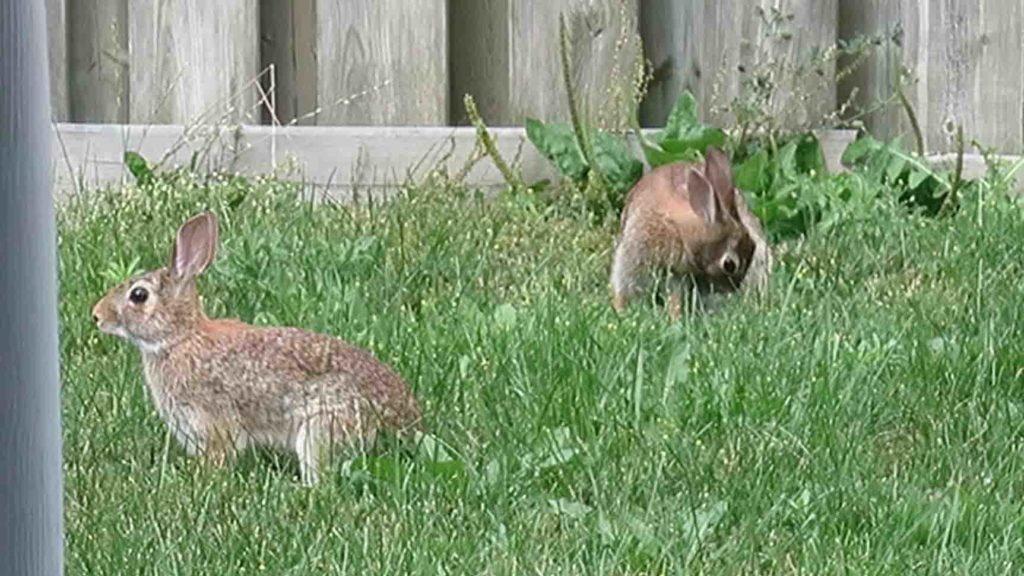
(858, 150)
(368, 468)
(139, 168)
(557, 143)
(569, 508)
(699, 525)
(698, 140)
(752, 175)
(916, 178)
(505, 316)
(684, 138)
(786, 160)
(689, 148)
(876, 163)
(432, 448)
(895, 168)
(540, 185)
(556, 450)
(658, 157)
(438, 460)
(682, 119)
(678, 372)
(888, 161)
(808, 156)
(618, 165)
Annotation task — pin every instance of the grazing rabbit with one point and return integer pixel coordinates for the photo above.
(761, 262)
(222, 385)
(690, 221)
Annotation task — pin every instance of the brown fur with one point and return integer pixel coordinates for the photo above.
(687, 220)
(222, 384)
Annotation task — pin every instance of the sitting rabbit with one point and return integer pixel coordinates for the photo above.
(221, 385)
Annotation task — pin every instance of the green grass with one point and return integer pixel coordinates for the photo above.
(867, 419)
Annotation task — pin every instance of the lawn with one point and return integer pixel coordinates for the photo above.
(867, 418)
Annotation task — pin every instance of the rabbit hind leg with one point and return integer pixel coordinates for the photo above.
(627, 266)
(319, 436)
(310, 448)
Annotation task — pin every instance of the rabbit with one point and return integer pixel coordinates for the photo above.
(689, 221)
(221, 385)
(760, 268)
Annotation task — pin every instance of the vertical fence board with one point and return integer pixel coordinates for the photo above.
(382, 62)
(971, 52)
(606, 50)
(672, 46)
(193, 61)
(57, 51)
(288, 42)
(479, 28)
(388, 62)
(97, 61)
(516, 72)
(997, 95)
(870, 83)
(599, 67)
(966, 63)
(815, 28)
(709, 47)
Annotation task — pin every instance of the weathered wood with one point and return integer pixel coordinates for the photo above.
(871, 82)
(382, 63)
(506, 53)
(966, 59)
(338, 159)
(193, 61)
(97, 55)
(288, 43)
(57, 50)
(672, 44)
(710, 47)
(601, 65)
(479, 59)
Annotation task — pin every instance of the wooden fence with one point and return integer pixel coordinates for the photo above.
(967, 59)
(409, 62)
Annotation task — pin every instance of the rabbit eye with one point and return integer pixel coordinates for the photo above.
(138, 295)
(729, 265)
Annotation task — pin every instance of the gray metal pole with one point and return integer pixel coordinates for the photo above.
(31, 531)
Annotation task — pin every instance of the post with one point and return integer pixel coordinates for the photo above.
(31, 539)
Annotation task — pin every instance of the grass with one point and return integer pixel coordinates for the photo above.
(867, 419)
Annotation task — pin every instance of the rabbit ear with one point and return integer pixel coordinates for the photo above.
(719, 173)
(195, 246)
(703, 199)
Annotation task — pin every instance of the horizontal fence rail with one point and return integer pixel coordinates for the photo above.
(399, 62)
(339, 163)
